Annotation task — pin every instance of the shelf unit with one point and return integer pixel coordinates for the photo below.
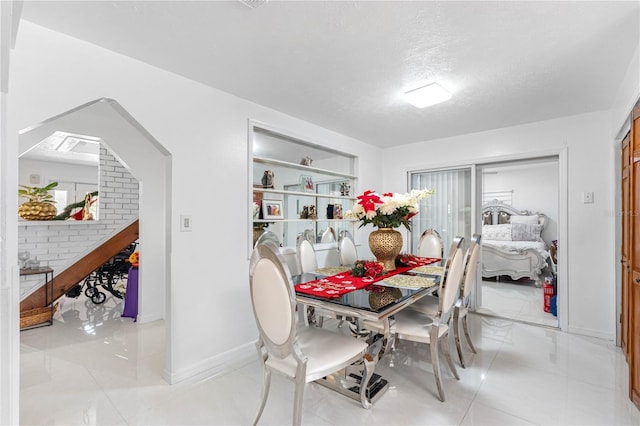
(301, 167)
(292, 183)
(39, 317)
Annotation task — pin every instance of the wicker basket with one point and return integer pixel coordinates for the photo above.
(37, 316)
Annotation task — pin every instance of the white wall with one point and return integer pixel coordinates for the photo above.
(590, 154)
(49, 170)
(205, 131)
(535, 188)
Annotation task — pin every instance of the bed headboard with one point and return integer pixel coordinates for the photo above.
(496, 212)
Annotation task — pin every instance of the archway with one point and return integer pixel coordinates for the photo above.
(150, 163)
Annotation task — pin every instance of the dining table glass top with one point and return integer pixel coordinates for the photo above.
(377, 300)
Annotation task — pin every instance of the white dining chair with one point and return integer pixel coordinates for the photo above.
(430, 244)
(307, 263)
(415, 326)
(461, 308)
(306, 256)
(347, 250)
(267, 236)
(328, 236)
(300, 353)
(429, 304)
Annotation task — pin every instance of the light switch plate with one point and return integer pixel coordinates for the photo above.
(587, 197)
(185, 223)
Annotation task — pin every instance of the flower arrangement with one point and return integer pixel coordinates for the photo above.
(367, 269)
(389, 210)
(406, 259)
(134, 259)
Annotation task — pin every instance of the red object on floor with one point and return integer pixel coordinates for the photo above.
(547, 294)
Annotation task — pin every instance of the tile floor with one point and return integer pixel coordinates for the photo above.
(93, 367)
(518, 301)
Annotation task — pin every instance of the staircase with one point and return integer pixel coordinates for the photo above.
(66, 279)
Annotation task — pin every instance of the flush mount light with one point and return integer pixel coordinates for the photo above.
(428, 95)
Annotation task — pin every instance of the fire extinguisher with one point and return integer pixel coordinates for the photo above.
(547, 293)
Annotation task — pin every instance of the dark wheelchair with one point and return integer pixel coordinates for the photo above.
(106, 277)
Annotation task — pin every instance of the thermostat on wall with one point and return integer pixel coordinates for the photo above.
(34, 179)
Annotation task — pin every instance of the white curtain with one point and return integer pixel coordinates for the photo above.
(448, 210)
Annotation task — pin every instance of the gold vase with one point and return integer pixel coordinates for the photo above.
(33, 210)
(384, 298)
(386, 244)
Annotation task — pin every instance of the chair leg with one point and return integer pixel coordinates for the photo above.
(266, 384)
(297, 400)
(447, 355)
(465, 327)
(456, 334)
(435, 361)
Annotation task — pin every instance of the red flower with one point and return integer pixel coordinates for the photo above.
(368, 201)
(373, 269)
(410, 215)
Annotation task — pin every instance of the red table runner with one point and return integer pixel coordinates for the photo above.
(336, 285)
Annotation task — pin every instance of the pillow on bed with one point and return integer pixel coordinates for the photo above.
(497, 232)
(525, 232)
(531, 220)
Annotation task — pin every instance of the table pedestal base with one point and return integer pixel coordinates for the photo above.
(348, 384)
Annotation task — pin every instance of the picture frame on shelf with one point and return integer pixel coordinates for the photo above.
(272, 209)
(306, 183)
(337, 211)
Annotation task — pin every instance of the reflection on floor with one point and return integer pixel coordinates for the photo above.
(93, 367)
(520, 301)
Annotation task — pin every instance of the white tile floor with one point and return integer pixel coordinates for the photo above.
(93, 367)
(518, 301)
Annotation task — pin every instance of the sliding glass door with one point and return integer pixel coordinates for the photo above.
(449, 210)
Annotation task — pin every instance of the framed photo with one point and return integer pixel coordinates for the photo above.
(306, 183)
(272, 209)
(337, 211)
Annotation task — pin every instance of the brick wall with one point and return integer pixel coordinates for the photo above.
(60, 244)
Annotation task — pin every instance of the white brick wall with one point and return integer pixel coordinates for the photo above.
(60, 244)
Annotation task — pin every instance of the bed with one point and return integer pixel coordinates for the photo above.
(511, 242)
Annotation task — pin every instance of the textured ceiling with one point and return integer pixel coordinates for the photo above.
(343, 65)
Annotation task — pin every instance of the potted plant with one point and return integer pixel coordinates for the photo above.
(40, 205)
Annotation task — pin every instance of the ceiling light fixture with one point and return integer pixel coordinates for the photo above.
(428, 95)
(253, 4)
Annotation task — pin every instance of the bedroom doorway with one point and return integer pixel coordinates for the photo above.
(519, 254)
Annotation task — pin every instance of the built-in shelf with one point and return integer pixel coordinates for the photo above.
(302, 220)
(298, 187)
(301, 193)
(301, 167)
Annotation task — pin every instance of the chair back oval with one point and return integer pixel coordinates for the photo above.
(450, 291)
(347, 251)
(328, 236)
(457, 243)
(471, 268)
(272, 299)
(430, 244)
(307, 257)
(268, 236)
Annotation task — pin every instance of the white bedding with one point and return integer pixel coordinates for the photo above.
(540, 246)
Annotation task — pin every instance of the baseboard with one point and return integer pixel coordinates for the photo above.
(592, 333)
(143, 319)
(214, 366)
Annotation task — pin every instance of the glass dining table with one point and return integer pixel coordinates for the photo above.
(378, 301)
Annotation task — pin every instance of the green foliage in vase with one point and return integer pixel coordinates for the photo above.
(38, 194)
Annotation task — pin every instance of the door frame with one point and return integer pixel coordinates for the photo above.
(563, 209)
